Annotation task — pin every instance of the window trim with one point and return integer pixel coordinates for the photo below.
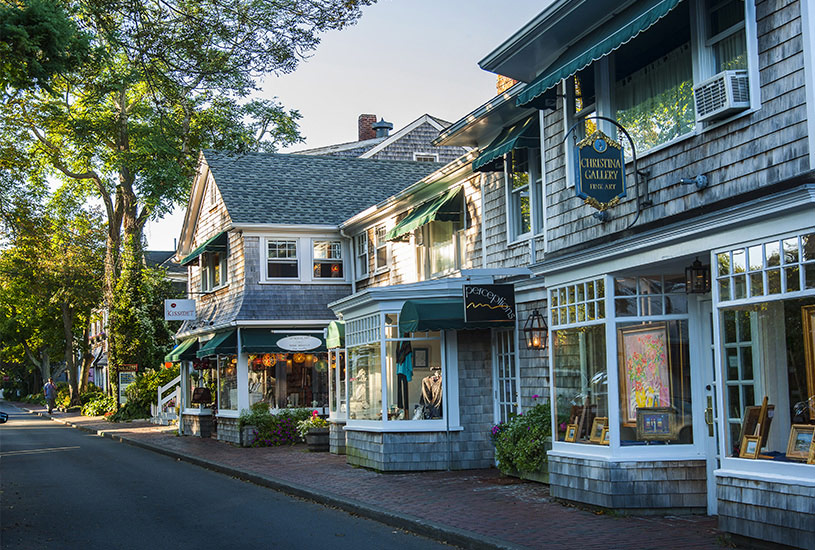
(536, 199)
(268, 260)
(340, 260)
(207, 271)
(417, 154)
(376, 246)
(362, 238)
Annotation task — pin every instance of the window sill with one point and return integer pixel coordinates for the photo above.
(399, 426)
(302, 282)
(381, 270)
(227, 414)
(214, 290)
(197, 412)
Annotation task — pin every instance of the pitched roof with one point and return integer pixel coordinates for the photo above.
(305, 189)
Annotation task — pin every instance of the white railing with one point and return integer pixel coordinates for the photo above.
(165, 411)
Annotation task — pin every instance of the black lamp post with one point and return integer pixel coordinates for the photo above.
(536, 331)
(697, 278)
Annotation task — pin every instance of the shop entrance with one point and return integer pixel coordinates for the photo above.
(709, 383)
(504, 375)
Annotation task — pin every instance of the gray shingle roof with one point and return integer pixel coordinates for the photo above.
(305, 189)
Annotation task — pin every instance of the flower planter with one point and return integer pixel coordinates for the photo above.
(317, 439)
(248, 434)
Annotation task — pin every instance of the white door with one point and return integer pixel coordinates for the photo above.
(709, 382)
(504, 375)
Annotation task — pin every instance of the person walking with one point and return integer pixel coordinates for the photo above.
(50, 390)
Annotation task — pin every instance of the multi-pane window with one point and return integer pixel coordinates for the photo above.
(381, 246)
(524, 191)
(327, 260)
(649, 295)
(361, 251)
(281, 259)
(726, 35)
(213, 270)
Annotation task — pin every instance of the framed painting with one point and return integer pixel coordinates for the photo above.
(571, 433)
(420, 358)
(596, 434)
(750, 446)
(801, 436)
(808, 324)
(750, 421)
(645, 371)
(605, 438)
(811, 457)
(656, 424)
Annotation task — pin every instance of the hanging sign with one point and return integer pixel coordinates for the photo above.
(179, 310)
(599, 171)
(299, 343)
(489, 304)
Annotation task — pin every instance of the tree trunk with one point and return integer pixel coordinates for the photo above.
(87, 357)
(70, 359)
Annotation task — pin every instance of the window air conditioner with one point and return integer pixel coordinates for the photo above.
(722, 95)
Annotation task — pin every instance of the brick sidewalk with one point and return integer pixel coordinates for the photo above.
(474, 508)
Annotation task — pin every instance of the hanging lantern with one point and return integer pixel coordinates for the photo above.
(299, 357)
(536, 331)
(697, 278)
(269, 360)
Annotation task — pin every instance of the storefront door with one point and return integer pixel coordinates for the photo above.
(709, 382)
(504, 375)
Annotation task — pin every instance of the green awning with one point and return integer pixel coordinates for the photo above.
(263, 340)
(223, 343)
(215, 244)
(607, 38)
(335, 337)
(185, 351)
(444, 208)
(523, 134)
(432, 314)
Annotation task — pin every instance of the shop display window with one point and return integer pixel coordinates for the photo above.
(580, 382)
(655, 383)
(336, 380)
(768, 351)
(365, 382)
(203, 378)
(414, 373)
(289, 379)
(227, 383)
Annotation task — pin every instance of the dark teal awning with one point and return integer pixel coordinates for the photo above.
(438, 314)
(607, 38)
(185, 351)
(263, 340)
(335, 337)
(444, 208)
(523, 134)
(217, 243)
(223, 343)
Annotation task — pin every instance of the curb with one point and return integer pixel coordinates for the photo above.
(418, 526)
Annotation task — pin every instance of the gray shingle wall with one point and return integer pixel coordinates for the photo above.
(459, 450)
(500, 253)
(533, 365)
(776, 512)
(419, 140)
(658, 487)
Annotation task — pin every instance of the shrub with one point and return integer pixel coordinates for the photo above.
(520, 443)
(272, 429)
(99, 404)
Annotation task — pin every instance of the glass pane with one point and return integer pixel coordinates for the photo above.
(281, 270)
(650, 285)
(365, 377)
(591, 314)
(739, 261)
(734, 402)
(730, 335)
(790, 250)
(732, 358)
(676, 303)
(731, 52)
(739, 287)
(809, 276)
(757, 284)
(572, 315)
(773, 281)
(563, 318)
(756, 258)
(581, 293)
(773, 252)
(749, 395)
(553, 299)
(675, 284)
(590, 290)
(808, 247)
(747, 363)
(326, 270)
(601, 284)
(745, 326)
(723, 262)
(601, 306)
(581, 313)
(793, 279)
(724, 289)
(625, 307)
(651, 305)
(625, 286)
(562, 296)
(570, 296)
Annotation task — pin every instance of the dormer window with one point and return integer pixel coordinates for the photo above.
(213, 270)
(282, 259)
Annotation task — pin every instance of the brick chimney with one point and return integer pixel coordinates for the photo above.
(365, 127)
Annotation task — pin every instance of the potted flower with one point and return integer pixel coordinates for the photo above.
(314, 431)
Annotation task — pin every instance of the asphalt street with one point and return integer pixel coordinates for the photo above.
(62, 488)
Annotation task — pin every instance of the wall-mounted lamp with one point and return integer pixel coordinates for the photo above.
(699, 181)
(536, 331)
(697, 278)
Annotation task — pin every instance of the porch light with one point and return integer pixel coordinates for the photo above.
(536, 331)
(697, 278)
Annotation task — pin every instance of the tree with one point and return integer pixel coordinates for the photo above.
(167, 79)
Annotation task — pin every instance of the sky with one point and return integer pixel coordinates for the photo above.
(404, 58)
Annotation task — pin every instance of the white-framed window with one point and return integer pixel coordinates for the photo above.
(361, 255)
(524, 192)
(381, 248)
(426, 157)
(327, 260)
(213, 270)
(440, 246)
(647, 85)
(281, 259)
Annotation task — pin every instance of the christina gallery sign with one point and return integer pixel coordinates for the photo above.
(599, 171)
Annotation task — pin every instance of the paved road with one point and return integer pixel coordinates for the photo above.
(66, 489)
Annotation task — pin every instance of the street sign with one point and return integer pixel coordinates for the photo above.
(179, 310)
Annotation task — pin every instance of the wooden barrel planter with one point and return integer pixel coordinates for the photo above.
(317, 440)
